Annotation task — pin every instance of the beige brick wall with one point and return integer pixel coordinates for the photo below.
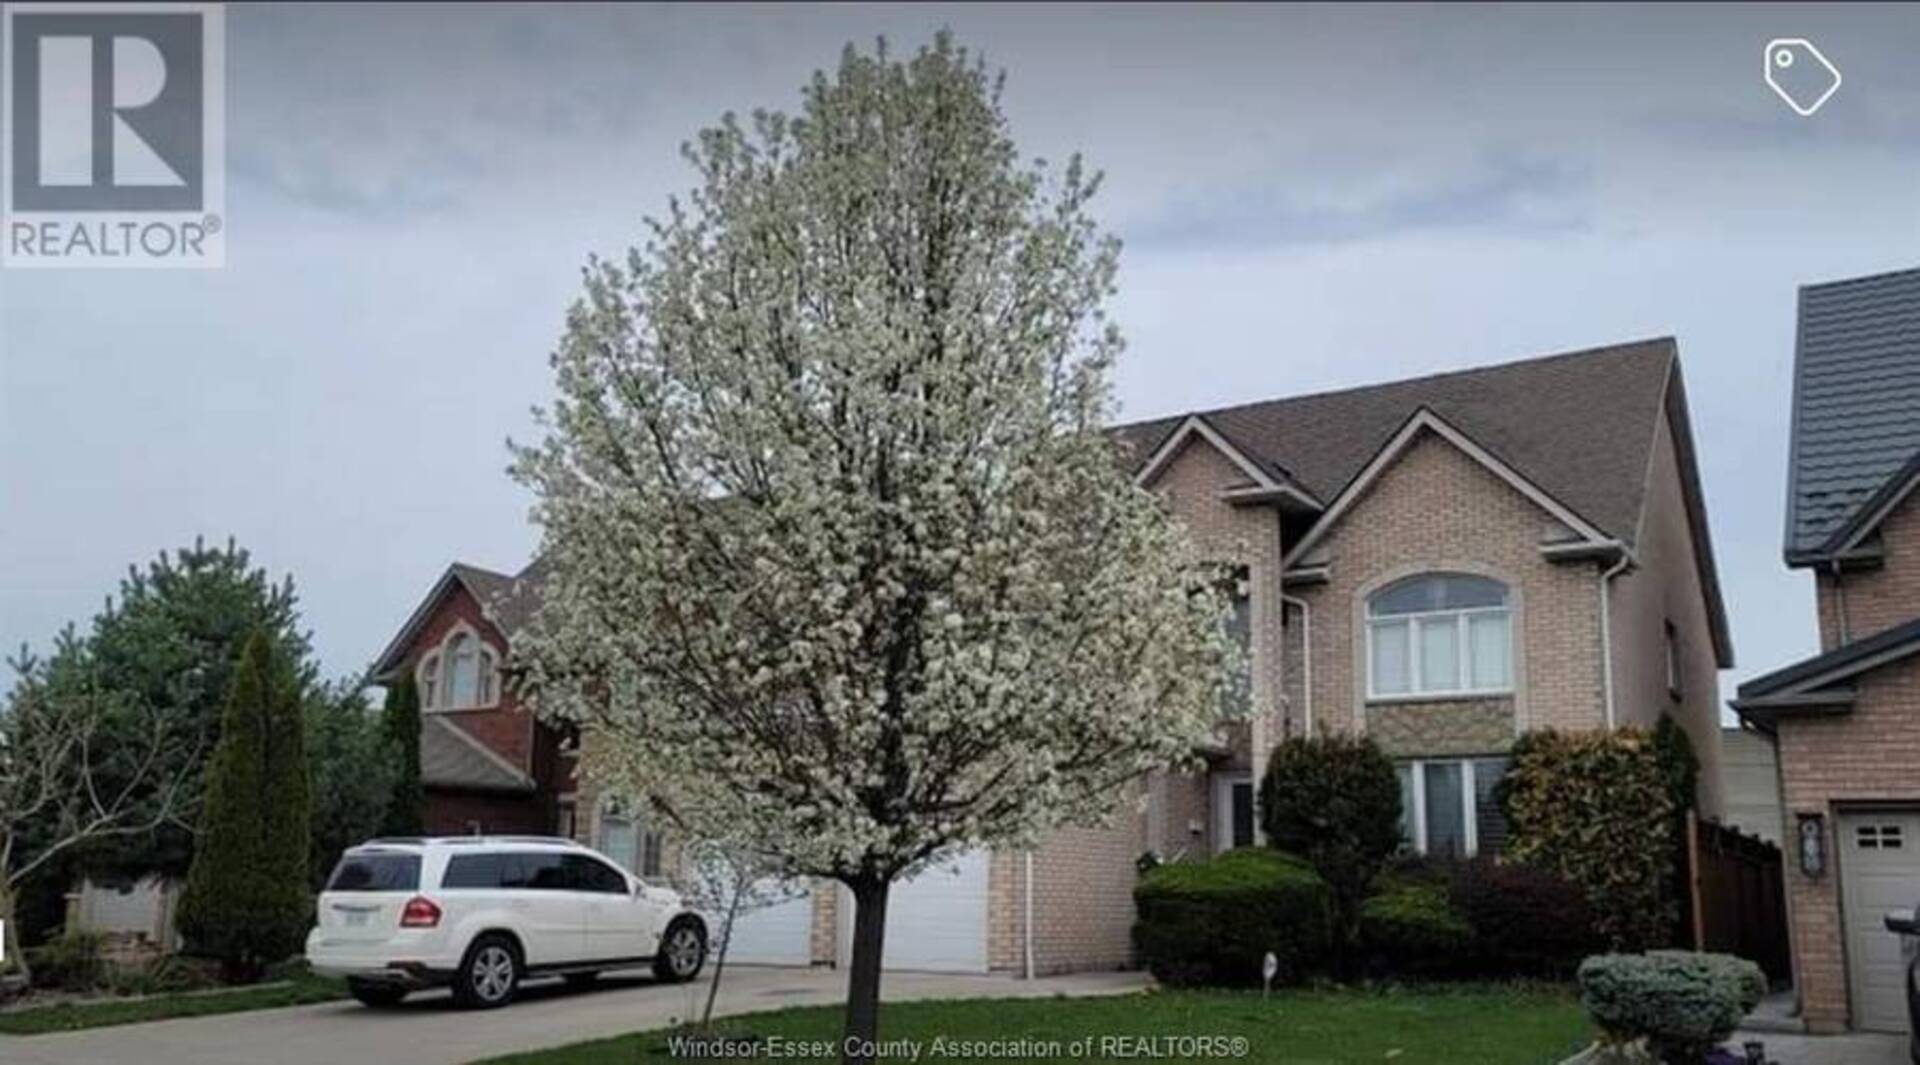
(824, 938)
(1436, 509)
(1235, 535)
(1826, 763)
(1665, 587)
(1876, 599)
(1442, 726)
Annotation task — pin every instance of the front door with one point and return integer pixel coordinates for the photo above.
(1880, 874)
(1232, 811)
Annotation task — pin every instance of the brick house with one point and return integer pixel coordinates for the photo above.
(1442, 563)
(1846, 722)
(486, 764)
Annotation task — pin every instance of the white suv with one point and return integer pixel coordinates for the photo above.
(480, 913)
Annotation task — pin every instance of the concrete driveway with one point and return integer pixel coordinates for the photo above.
(429, 1030)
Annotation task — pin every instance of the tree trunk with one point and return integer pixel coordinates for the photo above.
(720, 959)
(863, 982)
(16, 959)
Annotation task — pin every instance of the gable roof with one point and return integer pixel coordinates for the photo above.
(1580, 426)
(509, 602)
(450, 758)
(1818, 684)
(1856, 411)
(1580, 532)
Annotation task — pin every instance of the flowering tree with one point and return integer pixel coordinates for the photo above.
(844, 565)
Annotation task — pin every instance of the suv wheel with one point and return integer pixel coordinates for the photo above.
(683, 950)
(377, 995)
(489, 974)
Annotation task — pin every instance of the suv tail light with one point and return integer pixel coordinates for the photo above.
(420, 912)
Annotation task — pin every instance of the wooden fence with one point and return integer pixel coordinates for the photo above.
(1739, 902)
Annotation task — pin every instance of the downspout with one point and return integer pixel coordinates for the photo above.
(1306, 659)
(1606, 631)
(1840, 627)
(1026, 923)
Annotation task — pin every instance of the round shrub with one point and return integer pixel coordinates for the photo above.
(1213, 922)
(1682, 1003)
(1411, 929)
(1335, 801)
(1526, 921)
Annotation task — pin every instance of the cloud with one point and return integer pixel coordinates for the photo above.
(1499, 192)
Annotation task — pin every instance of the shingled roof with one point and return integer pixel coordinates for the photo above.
(508, 601)
(1856, 411)
(450, 758)
(1579, 425)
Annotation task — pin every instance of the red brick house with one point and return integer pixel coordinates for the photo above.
(487, 765)
(1846, 722)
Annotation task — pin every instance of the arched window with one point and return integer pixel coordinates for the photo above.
(463, 671)
(462, 674)
(1439, 634)
(429, 682)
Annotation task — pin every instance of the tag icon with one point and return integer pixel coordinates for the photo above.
(1799, 74)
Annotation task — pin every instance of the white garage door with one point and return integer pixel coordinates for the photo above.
(780, 934)
(936, 922)
(1880, 870)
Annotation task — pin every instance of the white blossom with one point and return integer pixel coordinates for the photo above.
(844, 565)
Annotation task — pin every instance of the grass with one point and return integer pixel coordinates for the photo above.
(301, 989)
(1469, 1025)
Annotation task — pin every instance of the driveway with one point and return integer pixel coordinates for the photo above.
(1853, 1048)
(428, 1030)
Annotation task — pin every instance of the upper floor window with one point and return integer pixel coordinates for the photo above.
(1238, 697)
(1675, 670)
(1439, 634)
(462, 673)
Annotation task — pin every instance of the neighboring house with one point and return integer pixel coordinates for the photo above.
(1847, 721)
(1750, 773)
(486, 764)
(1441, 563)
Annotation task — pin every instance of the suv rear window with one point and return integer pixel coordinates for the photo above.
(376, 872)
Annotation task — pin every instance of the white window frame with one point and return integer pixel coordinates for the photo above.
(434, 674)
(1469, 801)
(1416, 681)
(1223, 785)
(643, 831)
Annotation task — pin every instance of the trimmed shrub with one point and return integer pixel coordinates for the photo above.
(1214, 922)
(1682, 1003)
(1596, 809)
(1526, 921)
(246, 898)
(406, 809)
(1335, 801)
(71, 961)
(1411, 929)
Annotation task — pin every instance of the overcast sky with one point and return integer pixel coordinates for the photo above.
(1310, 198)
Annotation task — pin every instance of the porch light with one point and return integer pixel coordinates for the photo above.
(1813, 844)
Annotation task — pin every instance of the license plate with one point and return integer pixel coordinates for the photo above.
(356, 918)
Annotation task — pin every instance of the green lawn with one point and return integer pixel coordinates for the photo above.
(1466, 1025)
(69, 1016)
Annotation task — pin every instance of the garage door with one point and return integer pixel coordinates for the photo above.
(936, 922)
(1880, 870)
(780, 934)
